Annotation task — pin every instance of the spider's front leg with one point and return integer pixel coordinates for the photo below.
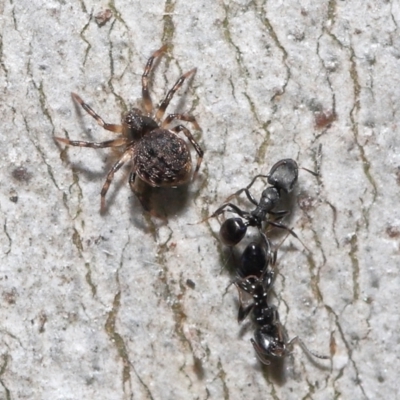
(181, 117)
(164, 104)
(109, 127)
(147, 103)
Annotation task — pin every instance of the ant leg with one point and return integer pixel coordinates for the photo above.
(221, 210)
(246, 190)
(248, 195)
(279, 214)
(147, 103)
(271, 255)
(243, 312)
(291, 231)
(200, 152)
(234, 208)
(275, 253)
(281, 226)
(296, 339)
(109, 127)
(127, 156)
(164, 104)
(181, 117)
(94, 145)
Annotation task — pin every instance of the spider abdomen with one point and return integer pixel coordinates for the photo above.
(162, 158)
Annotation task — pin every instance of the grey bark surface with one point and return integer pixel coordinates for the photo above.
(128, 306)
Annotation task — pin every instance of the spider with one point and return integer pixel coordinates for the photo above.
(159, 157)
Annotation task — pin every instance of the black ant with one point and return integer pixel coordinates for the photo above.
(282, 177)
(270, 339)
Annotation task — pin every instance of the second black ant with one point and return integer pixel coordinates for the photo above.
(270, 339)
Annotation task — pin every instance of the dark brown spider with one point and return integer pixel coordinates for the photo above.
(158, 156)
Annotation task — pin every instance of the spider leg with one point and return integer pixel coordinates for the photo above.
(138, 190)
(200, 152)
(94, 145)
(127, 156)
(132, 180)
(132, 177)
(110, 127)
(181, 117)
(147, 103)
(164, 104)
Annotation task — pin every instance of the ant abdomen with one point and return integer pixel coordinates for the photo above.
(232, 231)
(252, 261)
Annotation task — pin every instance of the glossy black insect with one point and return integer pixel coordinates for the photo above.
(282, 177)
(159, 157)
(270, 339)
(254, 259)
(254, 263)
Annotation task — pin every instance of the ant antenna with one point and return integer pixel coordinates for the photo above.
(318, 163)
(246, 190)
(301, 343)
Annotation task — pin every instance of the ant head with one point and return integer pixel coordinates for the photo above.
(269, 342)
(283, 174)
